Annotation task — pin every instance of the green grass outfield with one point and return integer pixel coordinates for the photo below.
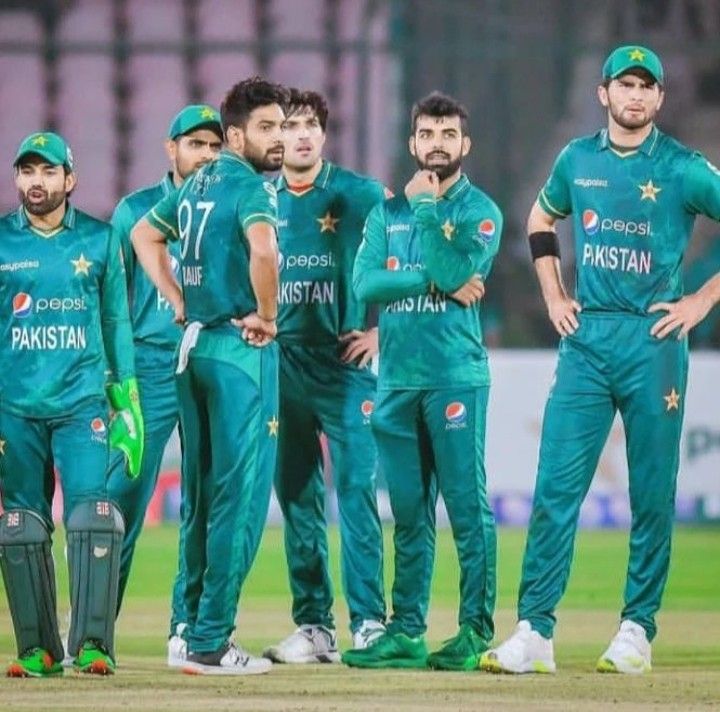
(686, 654)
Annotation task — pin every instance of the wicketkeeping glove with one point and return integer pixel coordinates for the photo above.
(127, 429)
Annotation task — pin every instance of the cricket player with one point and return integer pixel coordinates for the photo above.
(633, 193)
(326, 386)
(62, 279)
(194, 138)
(425, 258)
(224, 217)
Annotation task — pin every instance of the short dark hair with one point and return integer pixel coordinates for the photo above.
(437, 105)
(312, 100)
(247, 95)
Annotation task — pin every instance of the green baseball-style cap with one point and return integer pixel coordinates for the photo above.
(194, 117)
(50, 146)
(633, 56)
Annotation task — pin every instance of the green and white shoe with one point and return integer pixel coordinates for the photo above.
(462, 652)
(525, 651)
(93, 659)
(390, 650)
(35, 662)
(629, 651)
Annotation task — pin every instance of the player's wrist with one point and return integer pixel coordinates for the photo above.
(267, 320)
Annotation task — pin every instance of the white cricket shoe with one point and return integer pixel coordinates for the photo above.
(524, 651)
(177, 647)
(229, 660)
(308, 644)
(367, 634)
(629, 651)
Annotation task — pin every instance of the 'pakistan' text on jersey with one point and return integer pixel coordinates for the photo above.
(633, 214)
(319, 232)
(411, 256)
(65, 314)
(214, 252)
(151, 314)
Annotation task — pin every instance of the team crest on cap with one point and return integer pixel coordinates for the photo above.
(455, 415)
(22, 305)
(591, 222)
(393, 263)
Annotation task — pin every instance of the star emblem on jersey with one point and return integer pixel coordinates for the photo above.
(328, 222)
(636, 55)
(672, 400)
(448, 229)
(273, 425)
(39, 140)
(207, 113)
(649, 191)
(82, 265)
(2, 446)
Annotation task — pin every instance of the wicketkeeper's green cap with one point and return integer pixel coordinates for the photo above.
(633, 57)
(194, 117)
(50, 146)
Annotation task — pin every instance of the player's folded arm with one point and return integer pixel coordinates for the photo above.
(447, 267)
(483, 226)
(373, 279)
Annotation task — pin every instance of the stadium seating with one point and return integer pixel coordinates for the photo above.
(156, 21)
(86, 104)
(157, 93)
(225, 20)
(86, 110)
(22, 92)
(217, 72)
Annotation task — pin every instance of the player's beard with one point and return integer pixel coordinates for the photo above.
(442, 171)
(187, 168)
(631, 123)
(270, 160)
(51, 202)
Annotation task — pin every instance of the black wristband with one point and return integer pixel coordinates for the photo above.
(544, 244)
(269, 321)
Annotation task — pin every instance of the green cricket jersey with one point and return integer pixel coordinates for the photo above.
(67, 314)
(319, 232)
(151, 314)
(633, 214)
(412, 256)
(209, 215)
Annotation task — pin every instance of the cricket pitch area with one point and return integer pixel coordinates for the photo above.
(686, 654)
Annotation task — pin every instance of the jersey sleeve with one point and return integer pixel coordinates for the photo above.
(554, 197)
(123, 222)
(114, 317)
(701, 187)
(259, 206)
(373, 279)
(451, 261)
(484, 226)
(163, 216)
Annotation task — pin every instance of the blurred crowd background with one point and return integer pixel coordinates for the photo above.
(109, 74)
